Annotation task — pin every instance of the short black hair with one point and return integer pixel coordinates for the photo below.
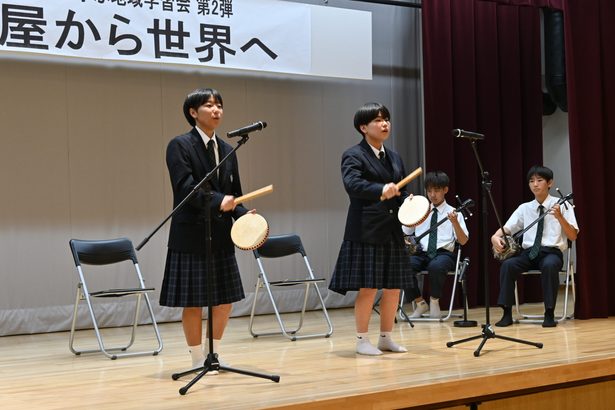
(541, 171)
(197, 98)
(368, 112)
(436, 179)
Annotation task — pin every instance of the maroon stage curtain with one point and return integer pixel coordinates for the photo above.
(482, 73)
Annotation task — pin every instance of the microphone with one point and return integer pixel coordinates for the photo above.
(240, 132)
(462, 269)
(459, 133)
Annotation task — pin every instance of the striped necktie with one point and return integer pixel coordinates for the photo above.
(433, 235)
(538, 240)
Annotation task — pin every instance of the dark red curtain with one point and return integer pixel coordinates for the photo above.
(590, 65)
(482, 73)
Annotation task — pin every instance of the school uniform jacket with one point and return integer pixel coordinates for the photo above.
(188, 163)
(369, 219)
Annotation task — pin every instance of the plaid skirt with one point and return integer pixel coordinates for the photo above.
(185, 282)
(362, 265)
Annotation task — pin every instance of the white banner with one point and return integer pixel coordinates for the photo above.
(247, 34)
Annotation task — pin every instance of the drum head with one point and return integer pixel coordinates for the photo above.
(249, 232)
(413, 211)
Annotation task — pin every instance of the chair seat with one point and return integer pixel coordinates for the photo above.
(110, 293)
(289, 282)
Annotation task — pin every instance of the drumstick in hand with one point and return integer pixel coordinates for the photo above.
(415, 174)
(254, 194)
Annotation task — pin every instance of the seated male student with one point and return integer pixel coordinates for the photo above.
(435, 252)
(542, 244)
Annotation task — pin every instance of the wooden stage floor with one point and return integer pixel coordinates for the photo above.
(38, 371)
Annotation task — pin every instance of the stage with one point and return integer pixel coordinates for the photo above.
(577, 364)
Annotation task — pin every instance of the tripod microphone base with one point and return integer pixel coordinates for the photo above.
(465, 323)
(212, 364)
(489, 333)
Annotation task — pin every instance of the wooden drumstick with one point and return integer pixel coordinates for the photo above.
(254, 194)
(415, 174)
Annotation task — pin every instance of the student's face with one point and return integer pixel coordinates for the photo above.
(377, 131)
(208, 116)
(436, 195)
(540, 186)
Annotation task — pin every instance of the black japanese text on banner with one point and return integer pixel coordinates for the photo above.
(261, 35)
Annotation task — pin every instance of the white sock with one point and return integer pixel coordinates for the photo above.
(364, 346)
(196, 352)
(385, 342)
(216, 350)
(363, 336)
(206, 346)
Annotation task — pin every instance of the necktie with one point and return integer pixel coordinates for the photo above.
(537, 241)
(212, 155)
(433, 235)
(210, 152)
(381, 156)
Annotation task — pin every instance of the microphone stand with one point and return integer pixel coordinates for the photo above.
(464, 294)
(211, 362)
(487, 332)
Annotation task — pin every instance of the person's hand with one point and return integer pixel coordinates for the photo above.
(228, 203)
(498, 243)
(557, 212)
(252, 211)
(452, 216)
(390, 190)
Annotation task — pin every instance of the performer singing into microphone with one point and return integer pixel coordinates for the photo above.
(542, 244)
(373, 255)
(190, 157)
(437, 248)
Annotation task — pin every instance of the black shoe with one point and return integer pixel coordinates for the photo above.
(549, 320)
(507, 319)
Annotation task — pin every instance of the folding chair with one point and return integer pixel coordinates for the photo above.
(569, 284)
(108, 252)
(425, 316)
(277, 247)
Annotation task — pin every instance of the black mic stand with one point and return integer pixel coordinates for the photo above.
(488, 332)
(464, 294)
(211, 362)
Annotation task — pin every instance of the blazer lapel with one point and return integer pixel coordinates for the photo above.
(223, 150)
(377, 166)
(199, 148)
(397, 175)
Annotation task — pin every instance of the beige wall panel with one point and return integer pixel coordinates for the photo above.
(83, 156)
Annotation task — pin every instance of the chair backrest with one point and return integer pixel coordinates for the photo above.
(279, 246)
(102, 252)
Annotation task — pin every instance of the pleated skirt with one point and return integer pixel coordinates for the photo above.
(362, 265)
(185, 280)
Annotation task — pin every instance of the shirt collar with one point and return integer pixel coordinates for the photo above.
(205, 138)
(441, 207)
(377, 151)
(549, 201)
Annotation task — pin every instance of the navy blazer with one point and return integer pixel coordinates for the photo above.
(369, 219)
(188, 164)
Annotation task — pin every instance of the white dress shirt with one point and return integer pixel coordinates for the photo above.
(552, 234)
(206, 140)
(446, 232)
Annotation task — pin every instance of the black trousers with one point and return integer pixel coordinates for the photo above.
(437, 269)
(549, 261)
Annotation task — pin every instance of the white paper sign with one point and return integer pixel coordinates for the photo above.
(262, 35)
